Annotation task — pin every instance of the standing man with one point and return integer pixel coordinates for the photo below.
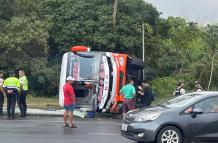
(198, 86)
(180, 89)
(11, 86)
(129, 93)
(23, 93)
(1, 93)
(69, 102)
(146, 95)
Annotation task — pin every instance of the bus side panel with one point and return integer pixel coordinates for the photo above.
(62, 79)
(120, 60)
(106, 83)
(113, 81)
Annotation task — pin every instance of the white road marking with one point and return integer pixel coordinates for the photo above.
(80, 122)
(98, 123)
(104, 134)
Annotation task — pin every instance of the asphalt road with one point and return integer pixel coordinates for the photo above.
(50, 130)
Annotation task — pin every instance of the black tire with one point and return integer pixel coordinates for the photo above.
(162, 136)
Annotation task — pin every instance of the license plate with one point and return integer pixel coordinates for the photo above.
(124, 127)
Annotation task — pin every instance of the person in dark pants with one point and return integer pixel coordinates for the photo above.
(129, 93)
(11, 86)
(1, 93)
(1, 102)
(146, 95)
(23, 93)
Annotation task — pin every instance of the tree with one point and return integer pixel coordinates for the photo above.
(72, 25)
(24, 40)
(177, 37)
(212, 44)
(35, 34)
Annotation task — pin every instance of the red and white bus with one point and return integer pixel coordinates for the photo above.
(98, 77)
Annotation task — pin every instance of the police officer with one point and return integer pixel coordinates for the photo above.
(11, 86)
(1, 93)
(23, 93)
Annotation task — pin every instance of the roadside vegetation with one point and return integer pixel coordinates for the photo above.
(47, 103)
(40, 102)
(34, 35)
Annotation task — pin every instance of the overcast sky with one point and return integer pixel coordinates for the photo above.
(201, 11)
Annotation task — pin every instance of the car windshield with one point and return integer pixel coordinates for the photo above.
(182, 100)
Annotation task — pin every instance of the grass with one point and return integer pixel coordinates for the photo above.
(161, 99)
(40, 102)
(43, 102)
(51, 103)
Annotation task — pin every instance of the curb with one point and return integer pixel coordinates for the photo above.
(39, 112)
(60, 113)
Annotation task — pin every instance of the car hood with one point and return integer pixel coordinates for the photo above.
(149, 111)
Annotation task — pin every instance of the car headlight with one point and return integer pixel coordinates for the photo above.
(150, 117)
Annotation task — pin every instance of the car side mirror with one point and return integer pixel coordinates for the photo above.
(196, 111)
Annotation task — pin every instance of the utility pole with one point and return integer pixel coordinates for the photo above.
(143, 47)
(115, 12)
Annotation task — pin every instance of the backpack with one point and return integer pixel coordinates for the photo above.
(177, 92)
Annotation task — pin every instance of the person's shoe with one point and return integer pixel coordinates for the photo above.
(13, 117)
(21, 116)
(66, 126)
(8, 117)
(73, 126)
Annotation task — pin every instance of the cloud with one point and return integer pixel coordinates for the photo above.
(202, 11)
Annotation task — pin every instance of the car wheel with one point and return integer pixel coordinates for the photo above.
(169, 134)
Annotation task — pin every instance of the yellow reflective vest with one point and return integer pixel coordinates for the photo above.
(12, 83)
(24, 83)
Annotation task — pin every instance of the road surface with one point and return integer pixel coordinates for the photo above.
(50, 130)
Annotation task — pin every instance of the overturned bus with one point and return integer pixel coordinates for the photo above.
(98, 77)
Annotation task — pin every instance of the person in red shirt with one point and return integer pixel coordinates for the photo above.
(69, 102)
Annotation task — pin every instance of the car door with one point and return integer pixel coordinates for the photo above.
(204, 126)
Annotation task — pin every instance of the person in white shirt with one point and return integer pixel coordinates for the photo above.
(1, 78)
(198, 86)
(1, 93)
(180, 89)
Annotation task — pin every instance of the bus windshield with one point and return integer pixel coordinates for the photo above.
(84, 66)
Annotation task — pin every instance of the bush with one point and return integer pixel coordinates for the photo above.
(165, 86)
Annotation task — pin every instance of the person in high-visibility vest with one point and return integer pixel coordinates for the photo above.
(23, 93)
(12, 86)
